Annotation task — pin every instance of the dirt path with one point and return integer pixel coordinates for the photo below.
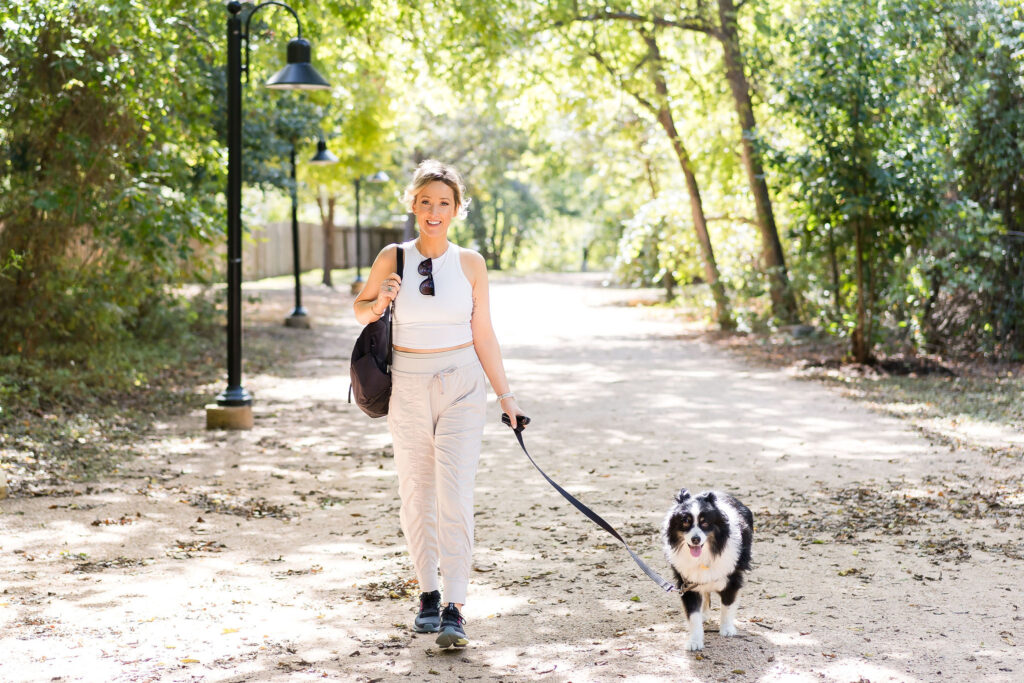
(275, 554)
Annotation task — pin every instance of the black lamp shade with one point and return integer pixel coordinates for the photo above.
(323, 156)
(299, 74)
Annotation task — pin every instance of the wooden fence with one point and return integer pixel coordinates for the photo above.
(267, 250)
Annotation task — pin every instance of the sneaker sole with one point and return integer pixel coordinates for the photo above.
(451, 639)
(426, 628)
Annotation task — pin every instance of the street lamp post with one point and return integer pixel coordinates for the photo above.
(233, 409)
(378, 177)
(323, 157)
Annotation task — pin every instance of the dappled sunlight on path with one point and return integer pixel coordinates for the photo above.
(276, 554)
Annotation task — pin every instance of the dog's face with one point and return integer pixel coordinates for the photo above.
(697, 526)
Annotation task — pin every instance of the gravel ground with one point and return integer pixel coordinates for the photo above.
(275, 554)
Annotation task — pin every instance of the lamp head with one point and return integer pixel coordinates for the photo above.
(323, 156)
(379, 177)
(299, 74)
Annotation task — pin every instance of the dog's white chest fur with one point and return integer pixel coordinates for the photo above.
(705, 578)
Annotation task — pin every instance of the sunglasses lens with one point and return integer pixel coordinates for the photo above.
(425, 267)
(427, 286)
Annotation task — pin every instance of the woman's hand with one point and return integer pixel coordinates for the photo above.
(511, 408)
(388, 291)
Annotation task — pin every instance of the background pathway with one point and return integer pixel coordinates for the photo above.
(276, 554)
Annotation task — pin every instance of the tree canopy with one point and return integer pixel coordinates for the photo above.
(857, 167)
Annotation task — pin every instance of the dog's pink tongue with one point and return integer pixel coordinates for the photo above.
(695, 550)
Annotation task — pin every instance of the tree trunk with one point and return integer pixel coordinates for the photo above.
(495, 243)
(861, 343)
(664, 115)
(327, 228)
(783, 300)
(861, 340)
(834, 265)
(668, 281)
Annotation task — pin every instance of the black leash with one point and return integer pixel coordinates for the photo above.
(521, 422)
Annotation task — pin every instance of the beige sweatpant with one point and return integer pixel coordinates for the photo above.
(436, 417)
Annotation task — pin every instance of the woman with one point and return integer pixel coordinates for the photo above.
(444, 344)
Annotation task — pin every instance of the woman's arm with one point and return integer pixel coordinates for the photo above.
(381, 288)
(484, 340)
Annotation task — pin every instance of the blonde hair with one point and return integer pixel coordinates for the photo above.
(430, 171)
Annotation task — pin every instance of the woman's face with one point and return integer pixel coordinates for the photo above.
(434, 209)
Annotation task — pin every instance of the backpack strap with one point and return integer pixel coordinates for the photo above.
(400, 269)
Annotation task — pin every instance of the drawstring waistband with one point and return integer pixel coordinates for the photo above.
(439, 377)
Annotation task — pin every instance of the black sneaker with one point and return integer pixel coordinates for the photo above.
(429, 618)
(452, 634)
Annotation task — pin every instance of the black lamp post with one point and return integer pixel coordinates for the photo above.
(299, 74)
(323, 157)
(378, 177)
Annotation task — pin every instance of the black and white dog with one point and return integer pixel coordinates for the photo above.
(707, 541)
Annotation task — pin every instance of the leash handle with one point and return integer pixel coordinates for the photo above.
(521, 422)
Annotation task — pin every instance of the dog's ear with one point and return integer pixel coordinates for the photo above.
(682, 496)
(710, 497)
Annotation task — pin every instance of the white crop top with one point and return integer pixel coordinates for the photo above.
(433, 322)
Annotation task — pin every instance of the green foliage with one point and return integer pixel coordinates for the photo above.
(896, 129)
(107, 182)
(980, 306)
(80, 376)
(896, 218)
(656, 249)
(862, 192)
(963, 292)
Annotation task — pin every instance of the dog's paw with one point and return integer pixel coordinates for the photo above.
(696, 643)
(727, 630)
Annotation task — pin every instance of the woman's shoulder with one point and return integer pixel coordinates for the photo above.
(389, 251)
(472, 259)
(468, 255)
(388, 256)
(473, 264)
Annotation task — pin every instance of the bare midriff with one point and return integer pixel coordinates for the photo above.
(450, 348)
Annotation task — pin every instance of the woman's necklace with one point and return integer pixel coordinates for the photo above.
(439, 261)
